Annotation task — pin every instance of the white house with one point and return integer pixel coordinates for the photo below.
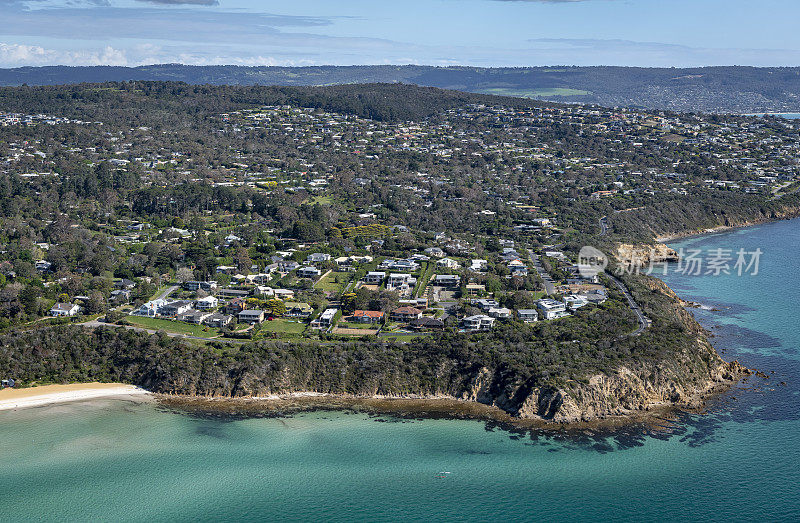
(528, 315)
(479, 322)
(309, 272)
(318, 257)
(375, 277)
(552, 309)
(209, 302)
(448, 263)
(64, 309)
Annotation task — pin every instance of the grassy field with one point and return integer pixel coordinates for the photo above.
(172, 326)
(330, 283)
(283, 326)
(535, 93)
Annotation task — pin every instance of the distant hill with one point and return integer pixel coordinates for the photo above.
(708, 89)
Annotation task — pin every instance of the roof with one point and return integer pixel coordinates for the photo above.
(406, 310)
(368, 314)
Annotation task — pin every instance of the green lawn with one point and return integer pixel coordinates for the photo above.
(330, 283)
(283, 326)
(172, 326)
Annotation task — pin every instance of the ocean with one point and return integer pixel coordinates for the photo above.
(740, 461)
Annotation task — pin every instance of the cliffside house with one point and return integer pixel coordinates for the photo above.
(528, 315)
(479, 322)
(551, 309)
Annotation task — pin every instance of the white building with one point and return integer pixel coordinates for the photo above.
(209, 302)
(64, 309)
(552, 309)
(479, 322)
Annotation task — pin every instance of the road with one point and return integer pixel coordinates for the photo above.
(640, 317)
(93, 324)
(549, 285)
(166, 292)
(603, 225)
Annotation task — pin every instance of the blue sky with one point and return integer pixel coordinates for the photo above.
(437, 32)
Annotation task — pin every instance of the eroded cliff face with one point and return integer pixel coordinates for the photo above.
(683, 380)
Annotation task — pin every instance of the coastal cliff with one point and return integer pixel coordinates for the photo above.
(580, 368)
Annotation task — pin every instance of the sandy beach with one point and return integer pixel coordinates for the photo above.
(37, 396)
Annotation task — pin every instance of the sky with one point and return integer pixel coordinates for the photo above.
(658, 33)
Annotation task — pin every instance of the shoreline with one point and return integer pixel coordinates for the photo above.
(437, 407)
(12, 399)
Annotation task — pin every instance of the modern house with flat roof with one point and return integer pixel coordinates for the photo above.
(479, 322)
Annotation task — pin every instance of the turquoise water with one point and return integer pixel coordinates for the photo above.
(115, 460)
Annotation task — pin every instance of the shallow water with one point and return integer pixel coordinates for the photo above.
(116, 460)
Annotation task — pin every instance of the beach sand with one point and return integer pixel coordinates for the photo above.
(45, 395)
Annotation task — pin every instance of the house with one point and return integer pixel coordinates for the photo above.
(251, 316)
(226, 269)
(261, 290)
(473, 289)
(174, 308)
(367, 316)
(478, 265)
(405, 314)
(574, 301)
(596, 297)
(448, 263)
(121, 296)
(227, 292)
(318, 257)
(436, 252)
(193, 316)
(218, 320)
(447, 280)
(397, 280)
(288, 266)
(204, 304)
(283, 294)
(43, 266)
(235, 306)
(344, 263)
(150, 309)
(326, 319)
(518, 270)
(375, 277)
(193, 286)
(298, 310)
(309, 272)
(478, 322)
(124, 283)
(419, 303)
(528, 315)
(485, 304)
(501, 313)
(426, 323)
(64, 309)
(552, 309)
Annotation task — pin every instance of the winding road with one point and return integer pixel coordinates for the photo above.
(644, 322)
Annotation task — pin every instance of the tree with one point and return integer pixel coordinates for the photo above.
(184, 274)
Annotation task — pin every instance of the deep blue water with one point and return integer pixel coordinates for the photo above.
(113, 460)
